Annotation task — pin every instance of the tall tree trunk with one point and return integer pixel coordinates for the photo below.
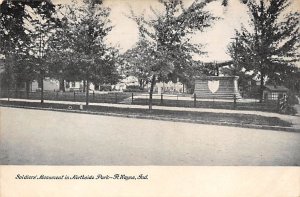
(151, 91)
(261, 96)
(16, 89)
(141, 84)
(42, 86)
(62, 85)
(87, 93)
(84, 85)
(27, 88)
(8, 91)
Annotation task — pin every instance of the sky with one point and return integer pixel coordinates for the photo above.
(215, 39)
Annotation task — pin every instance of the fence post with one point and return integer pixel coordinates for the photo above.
(8, 94)
(116, 97)
(93, 95)
(161, 99)
(234, 101)
(195, 100)
(278, 104)
(56, 95)
(74, 97)
(147, 99)
(177, 101)
(132, 98)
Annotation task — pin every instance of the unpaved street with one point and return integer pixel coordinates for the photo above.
(58, 138)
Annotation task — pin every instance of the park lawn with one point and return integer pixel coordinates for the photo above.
(201, 117)
(143, 99)
(270, 106)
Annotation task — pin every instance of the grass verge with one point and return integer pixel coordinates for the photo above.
(243, 120)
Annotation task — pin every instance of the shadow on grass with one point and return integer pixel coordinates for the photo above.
(209, 117)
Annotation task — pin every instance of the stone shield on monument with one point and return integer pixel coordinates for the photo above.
(217, 87)
(213, 86)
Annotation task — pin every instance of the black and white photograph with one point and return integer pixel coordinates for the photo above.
(150, 83)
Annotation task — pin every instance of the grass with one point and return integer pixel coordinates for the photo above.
(113, 97)
(267, 107)
(203, 117)
(117, 97)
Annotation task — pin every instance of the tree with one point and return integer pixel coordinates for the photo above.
(237, 68)
(137, 66)
(269, 49)
(18, 33)
(138, 60)
(165, 47)
(60, 54)
(42, 22)
(11, 36)
(81, 49)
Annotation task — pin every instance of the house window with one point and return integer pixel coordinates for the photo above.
(274, 96)
(73, 84)
(39, 84)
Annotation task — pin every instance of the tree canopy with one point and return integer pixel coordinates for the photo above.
(164, 50)
(269, 47)
(19, 38)
(78, 46)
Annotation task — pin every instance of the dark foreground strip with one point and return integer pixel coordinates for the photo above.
(159, 117)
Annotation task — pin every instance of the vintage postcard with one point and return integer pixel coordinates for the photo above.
(149, 98)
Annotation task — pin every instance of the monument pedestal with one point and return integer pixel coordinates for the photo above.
(217, 87)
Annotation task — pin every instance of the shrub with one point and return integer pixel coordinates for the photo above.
(105, 88)
(134, 88)
(292, 99)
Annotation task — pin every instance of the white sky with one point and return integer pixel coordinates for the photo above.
(215, 38)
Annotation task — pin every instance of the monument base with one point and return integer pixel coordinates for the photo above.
(217, 87)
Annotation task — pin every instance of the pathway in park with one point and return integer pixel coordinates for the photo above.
(39, 137)
(295, 120)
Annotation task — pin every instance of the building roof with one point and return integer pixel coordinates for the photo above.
(276, 88)
(219, 64)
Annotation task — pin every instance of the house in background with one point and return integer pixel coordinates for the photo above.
(168, 87)
(49, 85)
(53, 85)
(272, 92)
(159, 88)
